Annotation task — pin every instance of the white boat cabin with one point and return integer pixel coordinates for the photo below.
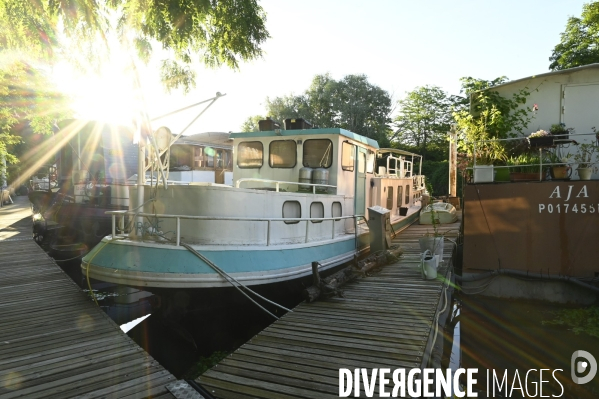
(349, 165)
(292, 174)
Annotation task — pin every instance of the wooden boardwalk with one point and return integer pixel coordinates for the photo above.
(56, 343)
(385, 320)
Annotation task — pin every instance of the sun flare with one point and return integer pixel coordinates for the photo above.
(108, 96)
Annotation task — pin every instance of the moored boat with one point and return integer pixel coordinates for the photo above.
(299, 196)
(96, 165)
(438, 213)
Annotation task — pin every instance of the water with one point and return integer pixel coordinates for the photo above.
(183, 326)
(499, 334)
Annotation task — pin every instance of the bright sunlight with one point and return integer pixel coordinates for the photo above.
(108, 96)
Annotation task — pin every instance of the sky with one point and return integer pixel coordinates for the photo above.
(398, 44)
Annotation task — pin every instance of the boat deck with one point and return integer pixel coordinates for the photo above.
(54, 341)
(385, 320)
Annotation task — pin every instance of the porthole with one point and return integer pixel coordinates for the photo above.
(336, 210)
(292, 210)
(317, 211)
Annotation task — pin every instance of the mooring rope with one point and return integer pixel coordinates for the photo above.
(445, 301)
(233, 282)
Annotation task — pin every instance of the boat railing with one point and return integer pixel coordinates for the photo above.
(269, 221)
(278, 183)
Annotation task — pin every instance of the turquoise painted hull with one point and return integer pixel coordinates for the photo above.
(161, 265)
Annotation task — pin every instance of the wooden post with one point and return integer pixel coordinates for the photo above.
(331, 284)
(453, 159)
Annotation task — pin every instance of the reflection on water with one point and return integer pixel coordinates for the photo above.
(498, 334)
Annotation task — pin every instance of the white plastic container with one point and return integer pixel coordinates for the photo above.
(483, 174)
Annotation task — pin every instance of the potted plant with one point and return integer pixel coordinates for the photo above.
(526, 167)
(433, 242)
(559, 168)
(541, 138)
(584, 159)
(487, 154)
(560, 131)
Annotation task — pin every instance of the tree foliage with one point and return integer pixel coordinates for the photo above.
(490, 116)
(351, 103)
(221, 32)
(26, 98)
(579, 44)
(423, 120)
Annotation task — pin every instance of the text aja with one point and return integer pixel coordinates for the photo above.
(557, 193)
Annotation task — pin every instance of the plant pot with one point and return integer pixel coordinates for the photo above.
(403, 211)
(503, 174)
(561, 135)
(560, 172)
(433, 244)
(585, 173)
(541, 142)
(483, 174)
(525, 176)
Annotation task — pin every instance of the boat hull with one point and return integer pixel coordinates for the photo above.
(161, 265)
(167, 266)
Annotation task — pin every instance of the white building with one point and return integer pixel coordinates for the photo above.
(569, 96)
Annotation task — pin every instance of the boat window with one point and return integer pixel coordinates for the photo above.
(347, 156)
(198, 156)
(318, 153)
(317, 211)
(250, 154)
(407, 194)
(361, 162)
(227, 159)
(399, 196)
(370, 162)
(282, 154)
(210, 153)
(389, 197)
(292, 209)
(336, 210)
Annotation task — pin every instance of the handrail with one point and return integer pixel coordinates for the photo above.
(526, 138)
(178, 218)
(278, 182)
(559, 139)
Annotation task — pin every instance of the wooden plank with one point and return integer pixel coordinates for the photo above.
(360, 349)
(123, 387)
(322, 357)
(335, 340)
(264, 374)
(219, 387)
(153, 382)
(247, 385)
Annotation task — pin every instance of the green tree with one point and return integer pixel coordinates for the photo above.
(579, 44)
(423, 120)
(490, 116)
(27, 100)
(251, 123)
(351, 103)
(215, 32)
(364, 108)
